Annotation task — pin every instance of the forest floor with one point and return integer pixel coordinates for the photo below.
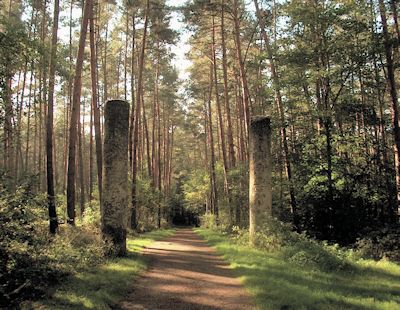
(277, 282)
(186, 273)
(102, 286)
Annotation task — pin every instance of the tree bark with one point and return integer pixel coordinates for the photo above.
(137, 123)
(95, 107)
(213, 177)
(220, 121)
(394, 96)
(74, 116)
(279, 102)
(242, 71)
(53, 221)
(232, 159)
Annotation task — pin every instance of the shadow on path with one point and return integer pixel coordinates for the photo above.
(185, 273)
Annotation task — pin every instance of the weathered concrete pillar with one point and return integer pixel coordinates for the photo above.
(260, 204)
(115, 200)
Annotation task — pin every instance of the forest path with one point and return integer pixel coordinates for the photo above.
(185, 273)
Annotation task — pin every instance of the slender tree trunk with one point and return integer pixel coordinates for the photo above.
(53, 221)
(159, 184)
(95, 108)
(132, 116)
(105, 82)
(74, 115)
(279, 102)
(213, 177)
(242, 71)
(91, 155)
(232, 159)
(394, 96)
(146, 139)
(137, 123)
(393, 4)
(28, 125)
(220, 122)
(153, 131)
(126, 55)
(81, 166)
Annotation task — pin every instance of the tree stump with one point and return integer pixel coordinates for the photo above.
(115, 199)
(260, 187)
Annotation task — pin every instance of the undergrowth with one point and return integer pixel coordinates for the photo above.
(31, 258)
(101, 286)
(33, 262)
(286, 270)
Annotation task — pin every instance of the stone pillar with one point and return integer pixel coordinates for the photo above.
(115, 199)
(260, 196)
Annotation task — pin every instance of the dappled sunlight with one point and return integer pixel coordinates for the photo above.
(104, 285)
(187, 274)
(276, 283)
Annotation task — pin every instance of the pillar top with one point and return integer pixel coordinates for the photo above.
(260, 119)
(260, 123)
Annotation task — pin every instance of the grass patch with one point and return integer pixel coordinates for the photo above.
(278, 282)
(103, 286)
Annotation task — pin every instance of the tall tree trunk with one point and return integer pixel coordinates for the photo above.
(394, 96)
(91, 156)
(53, 221)
(242, 71)
(81, 166)
(132, 116)
(126, 55)
(95, 107)
(137, 123)
(213, 177)
(74, 115)
(232, 159)
(146, 140)
(279, 102)
(28, 125)
(105, 80)
(153, 131)
(220, 122)
(393, 4)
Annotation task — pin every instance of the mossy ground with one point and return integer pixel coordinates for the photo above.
(277, 283)
(101, 287)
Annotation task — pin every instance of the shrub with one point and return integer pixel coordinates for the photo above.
(209, 221)
(383, 243)
(277, 237)
(32, 259)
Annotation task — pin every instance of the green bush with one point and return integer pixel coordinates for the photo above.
(92, 214)
(277, 237)
(381, 244)
(32, 259)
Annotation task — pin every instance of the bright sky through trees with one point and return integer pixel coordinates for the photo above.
(181, 62)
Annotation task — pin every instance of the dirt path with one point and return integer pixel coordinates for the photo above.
(187, 274)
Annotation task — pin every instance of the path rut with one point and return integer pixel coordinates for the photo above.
(185, 273)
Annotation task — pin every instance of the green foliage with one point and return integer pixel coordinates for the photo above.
(22, 263)
(209, 221)
(92, 214)
(32, 259)
(381, 244)
(102, 286)
(149, 198)
(196, 189)
(277, 237)
(359, 197)
(308, 278)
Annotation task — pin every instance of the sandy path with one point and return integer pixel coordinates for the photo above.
(185, 273)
